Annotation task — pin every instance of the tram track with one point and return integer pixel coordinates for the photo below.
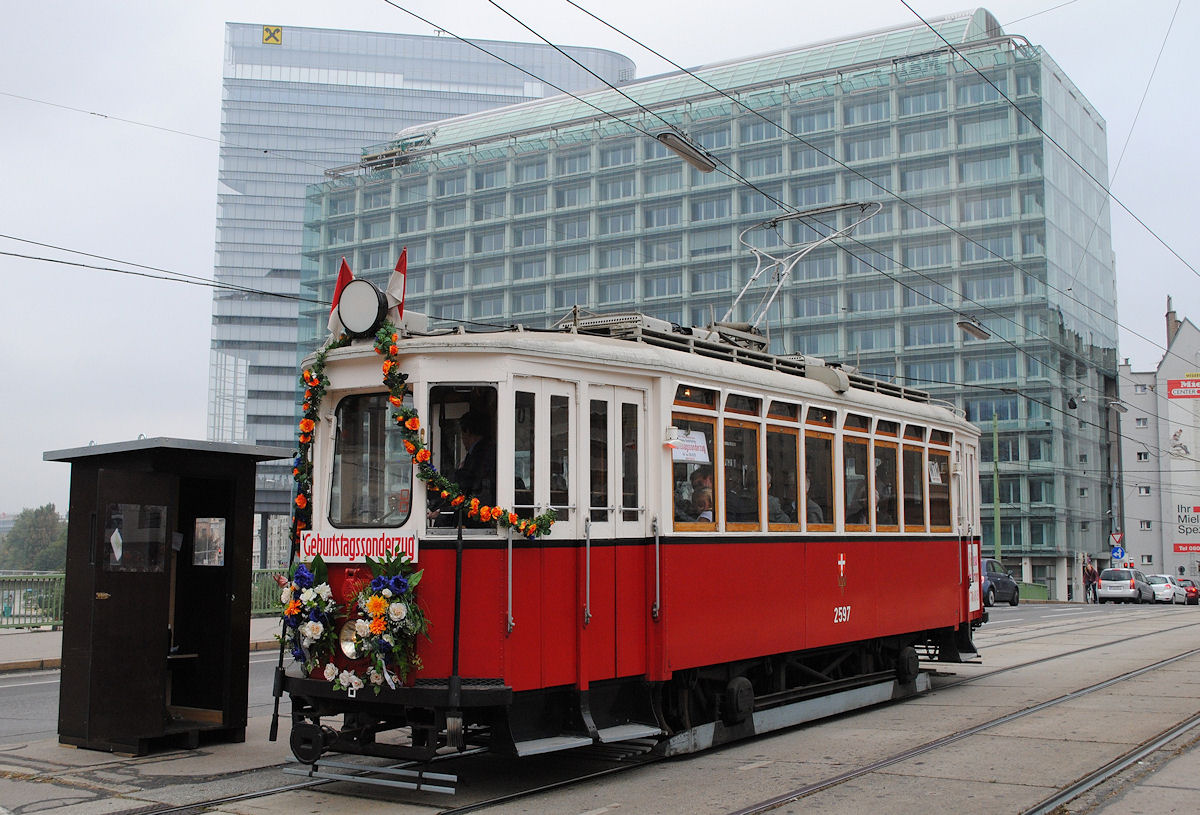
(1049, 804)
(1054, 628)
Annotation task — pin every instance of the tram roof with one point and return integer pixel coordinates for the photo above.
(643, 336)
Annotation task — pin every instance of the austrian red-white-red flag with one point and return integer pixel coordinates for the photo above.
(397, 283)
(335, 322)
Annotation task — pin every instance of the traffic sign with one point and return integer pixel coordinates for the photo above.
(1118, 553)
(1117, 538)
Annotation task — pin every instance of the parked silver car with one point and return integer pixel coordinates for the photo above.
(1124, 586)
(1166, 589)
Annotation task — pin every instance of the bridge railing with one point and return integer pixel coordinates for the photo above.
(31, 600)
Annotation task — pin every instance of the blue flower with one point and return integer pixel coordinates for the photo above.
(315, 615)
(379, 584)
(303, 577)
(383, 645)
(292, 620)
(298, 653)
(399, 584)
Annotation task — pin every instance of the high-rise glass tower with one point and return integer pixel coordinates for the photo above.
(988, 164)
(295, 102)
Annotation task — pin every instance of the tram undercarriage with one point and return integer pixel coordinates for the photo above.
(696, 709)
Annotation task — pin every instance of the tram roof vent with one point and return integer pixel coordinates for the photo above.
(624, 324)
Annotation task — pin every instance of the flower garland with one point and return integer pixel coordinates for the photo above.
(387, 622)
(302, 467)
(308, 614)
(414, 444)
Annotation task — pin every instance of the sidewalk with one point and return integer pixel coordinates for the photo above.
(26, 649)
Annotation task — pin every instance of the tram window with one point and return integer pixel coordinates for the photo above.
(820, 415)
(599, 460)
(741, 475)
(885, 486)
(884, 428)
(914, 490)
(736, 403)
(560, 455)
(941, 437)
(855, 421)
(629, 462)
(782, 476)
(463, 438)
(854, 483)
(939, 490)
(523, 453)
(783, 410)
(818, 479)
(692, 480)
(697, 397)
(915, 432)
(372, 474)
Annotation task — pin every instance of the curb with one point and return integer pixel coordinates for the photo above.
(55, 663)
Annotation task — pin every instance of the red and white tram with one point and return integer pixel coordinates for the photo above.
(726, 520)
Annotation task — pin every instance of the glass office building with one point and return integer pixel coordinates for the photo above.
(986, 160)
(295, 102)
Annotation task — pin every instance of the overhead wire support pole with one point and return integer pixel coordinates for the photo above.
(784, 265)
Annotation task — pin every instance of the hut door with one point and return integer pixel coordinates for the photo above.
(131, 555)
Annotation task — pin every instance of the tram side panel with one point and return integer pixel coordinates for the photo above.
(731, 600)
(481, 652)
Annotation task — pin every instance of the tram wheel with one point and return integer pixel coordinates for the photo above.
(908, 665)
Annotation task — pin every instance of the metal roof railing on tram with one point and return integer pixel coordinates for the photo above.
(721, 343)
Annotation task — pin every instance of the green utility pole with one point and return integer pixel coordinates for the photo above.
(996, 486)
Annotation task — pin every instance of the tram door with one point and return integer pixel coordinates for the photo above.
(613, 566)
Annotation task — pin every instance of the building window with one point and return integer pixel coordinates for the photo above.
(612, 257)
(1143, 490)
(491, 208)
(572, 262)
(489, 305)
(572, 196)
(571, 164)
(870, 110)
(662, 180)
(665, 249)
(455, 185)
(615, 223)
(529, 268)
(1141, 421)
(616, 156)
(530, 301)
(529, 202)
(811, 121)
(1143, 455)
(923, 100)
(617, 188)
(492, 241)
(571, 228)
(667, 215)
(878, 299)
(487, 274)
(489, 178)
(567, 296)
(713, 139)
(813, 306)
(663, 286)
(875, 146)
(1139, 388)
(1147, 560)
(710, 209)
(531, 171)
(758, 130)
(529, 235)
(1145, 525)
(927, 333)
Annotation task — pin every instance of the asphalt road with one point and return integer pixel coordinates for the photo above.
(29, 701)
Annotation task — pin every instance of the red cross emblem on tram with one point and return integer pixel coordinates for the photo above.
(842, 571)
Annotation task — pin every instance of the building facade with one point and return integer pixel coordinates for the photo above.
(1160, 451)
(296, 101)
(985, 159)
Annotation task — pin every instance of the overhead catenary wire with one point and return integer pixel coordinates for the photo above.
(900, 198)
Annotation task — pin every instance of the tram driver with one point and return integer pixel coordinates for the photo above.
(476, 473)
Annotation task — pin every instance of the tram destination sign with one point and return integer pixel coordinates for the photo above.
(355, 545)
(1187, 528)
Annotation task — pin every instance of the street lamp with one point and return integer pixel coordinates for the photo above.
(693, 155)
(971, 326)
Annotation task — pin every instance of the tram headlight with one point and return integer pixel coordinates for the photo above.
(346, 640)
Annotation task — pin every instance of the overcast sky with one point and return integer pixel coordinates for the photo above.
(90, 355)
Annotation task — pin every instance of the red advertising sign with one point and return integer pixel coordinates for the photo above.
(1187, 547)
(1183, 388)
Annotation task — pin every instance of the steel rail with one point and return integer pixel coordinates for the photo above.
(1117, 765)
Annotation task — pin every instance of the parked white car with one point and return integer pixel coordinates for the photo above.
(1166, 589)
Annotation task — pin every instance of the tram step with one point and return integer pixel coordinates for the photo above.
(551, 744)
(626, 732)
